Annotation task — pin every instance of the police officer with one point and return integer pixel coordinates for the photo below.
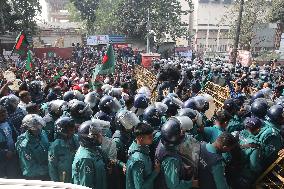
(153, 117)
(269, 135)
(174, 175)
(198, 126)
(123, 137)
(62, 151)
(56, 109)
(32, 147)
(259, 108)
(167, 78)
(252, 152)
(211, 169)
(139, 173)
(173, 105)
(108, 107)
(70, 95)
(36, 92)
(8, 164)
(15, 114)
(232, 106)
(93, 99)
(221, 123)
(89, 167)
(80, 112)
(141, 102)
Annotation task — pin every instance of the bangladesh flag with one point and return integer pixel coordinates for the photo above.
(21, 44)
(29, 63)
(107, 65)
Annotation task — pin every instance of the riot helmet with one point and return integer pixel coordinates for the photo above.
(141, 101)
(276, 114)
(57, 107)
(109, 105)
(33, 123)
(152, 116)
(90, 134)
(92, 99)
(171, 133)
(63, 127)
(80, 109)
(259, 108)
(127, 119)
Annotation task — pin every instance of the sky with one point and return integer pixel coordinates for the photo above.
(43, 15)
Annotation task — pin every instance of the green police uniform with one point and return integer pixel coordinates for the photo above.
(207, 122)
(235, 124)
(89, 169)
(139, 173)
(196, 134)
(49, 127)
(171, 169)
(60, 158)
(212, 133)
(211, 169)
(271, 142)
(33, 154)
(252, 156)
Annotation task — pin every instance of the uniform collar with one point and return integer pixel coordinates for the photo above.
(138, 148)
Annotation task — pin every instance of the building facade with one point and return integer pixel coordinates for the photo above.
(57, 10)
(207, 25)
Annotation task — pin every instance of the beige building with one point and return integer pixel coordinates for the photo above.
(209, 29)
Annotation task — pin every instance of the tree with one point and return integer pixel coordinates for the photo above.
(276, 13)
(165, 18)
(254, 18)
(74, 13)
(24, 12)
(106, 17)
(17, 15)
(87, 10)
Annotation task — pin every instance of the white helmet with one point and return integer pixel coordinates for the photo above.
(33, 122)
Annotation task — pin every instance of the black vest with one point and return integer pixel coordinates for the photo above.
(161, 153)
(206, 161)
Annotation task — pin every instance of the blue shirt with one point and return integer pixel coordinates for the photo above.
(7, 131)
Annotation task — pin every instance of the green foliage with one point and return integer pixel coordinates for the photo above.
(74, 13)
(87, 10)
(276, 13)
(17, 15)
(107, 20)
(165, 18)
(254, 16)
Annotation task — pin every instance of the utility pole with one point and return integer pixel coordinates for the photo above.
(148, 30)
(238, 32)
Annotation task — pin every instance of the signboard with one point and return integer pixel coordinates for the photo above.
(92, 40)
(102, 39)
(147, 59)
(244, 57)
(97, 39)
(117, 38)
(8, 54)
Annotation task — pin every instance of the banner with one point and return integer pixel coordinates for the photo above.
(244, 57)
(97, 39)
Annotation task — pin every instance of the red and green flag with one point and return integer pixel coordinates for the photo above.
(21, 44)
(107, 65)
(29, 63)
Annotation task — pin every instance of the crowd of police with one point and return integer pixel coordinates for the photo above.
(63, 127)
